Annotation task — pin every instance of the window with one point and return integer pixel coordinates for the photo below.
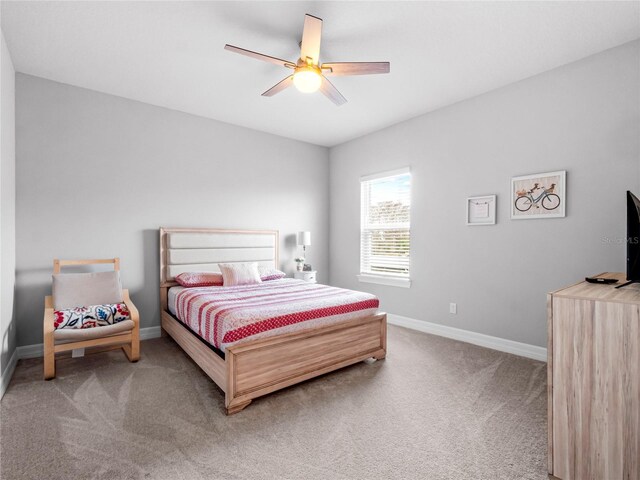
(385, 238)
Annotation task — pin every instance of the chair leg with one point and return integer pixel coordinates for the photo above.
(133, 351)
(49, 357)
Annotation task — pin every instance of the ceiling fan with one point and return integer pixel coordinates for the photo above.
(308, 74)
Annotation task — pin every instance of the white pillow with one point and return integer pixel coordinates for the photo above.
(239, 274)
(86, 289)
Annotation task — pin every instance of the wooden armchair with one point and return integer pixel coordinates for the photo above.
(126, 332)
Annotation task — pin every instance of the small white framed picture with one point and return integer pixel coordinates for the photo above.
(481, 210)
(542, 195)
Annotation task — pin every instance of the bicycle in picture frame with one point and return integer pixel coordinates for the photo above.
(542, 195)
(526, 199)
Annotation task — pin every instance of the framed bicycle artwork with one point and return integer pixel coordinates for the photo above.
(542, 195)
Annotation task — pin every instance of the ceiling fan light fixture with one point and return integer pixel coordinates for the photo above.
(308, 74)
(307, 79)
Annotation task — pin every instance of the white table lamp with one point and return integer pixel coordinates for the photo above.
(304, 239)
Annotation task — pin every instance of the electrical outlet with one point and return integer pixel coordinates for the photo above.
(77, 352)
(453, 308)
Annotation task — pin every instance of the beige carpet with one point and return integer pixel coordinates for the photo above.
(434, 409)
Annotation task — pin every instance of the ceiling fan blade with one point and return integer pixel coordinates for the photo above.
(259, 56)
(311, 36)
(355, 68)
(278, 87)
(331, 92)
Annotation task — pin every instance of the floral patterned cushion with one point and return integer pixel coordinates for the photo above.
(89, 317)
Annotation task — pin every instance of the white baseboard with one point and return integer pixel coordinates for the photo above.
(495, 343)
(8, 373)
(34, 351)
(150, 332)
(30, 351)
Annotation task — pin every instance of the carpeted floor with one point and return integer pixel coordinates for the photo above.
(434, 409)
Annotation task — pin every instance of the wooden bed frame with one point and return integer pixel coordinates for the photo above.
(256, 368)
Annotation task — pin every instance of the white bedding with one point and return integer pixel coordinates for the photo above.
(171, 299)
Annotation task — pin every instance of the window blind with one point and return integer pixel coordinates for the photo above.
(385, 238)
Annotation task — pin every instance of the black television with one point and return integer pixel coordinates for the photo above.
(633, 239)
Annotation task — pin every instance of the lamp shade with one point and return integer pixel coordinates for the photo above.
(304, 238)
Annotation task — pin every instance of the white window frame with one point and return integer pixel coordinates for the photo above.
(389, 279)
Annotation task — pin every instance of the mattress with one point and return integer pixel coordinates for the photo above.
(225, 316)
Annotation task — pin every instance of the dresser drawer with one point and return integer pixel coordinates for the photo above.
(306, 276)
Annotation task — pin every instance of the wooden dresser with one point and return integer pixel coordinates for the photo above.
(593, 377)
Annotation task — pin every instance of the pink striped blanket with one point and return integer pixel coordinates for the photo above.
(223, 316)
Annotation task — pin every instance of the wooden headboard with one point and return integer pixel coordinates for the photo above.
(201, 249)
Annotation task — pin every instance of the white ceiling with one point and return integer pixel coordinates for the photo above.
(171, 54)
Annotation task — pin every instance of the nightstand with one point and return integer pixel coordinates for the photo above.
(306, 276)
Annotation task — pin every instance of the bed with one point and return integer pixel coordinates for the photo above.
(272, 335)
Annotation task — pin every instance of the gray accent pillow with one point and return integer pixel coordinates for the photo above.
(83, 289)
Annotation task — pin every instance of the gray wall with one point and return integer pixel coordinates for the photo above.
(583, 118)
(7, 205)
(97, 175)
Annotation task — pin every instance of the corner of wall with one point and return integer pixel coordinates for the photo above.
(8, 354)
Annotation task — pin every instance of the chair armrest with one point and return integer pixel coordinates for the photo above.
(133, 311)
(48, 314)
